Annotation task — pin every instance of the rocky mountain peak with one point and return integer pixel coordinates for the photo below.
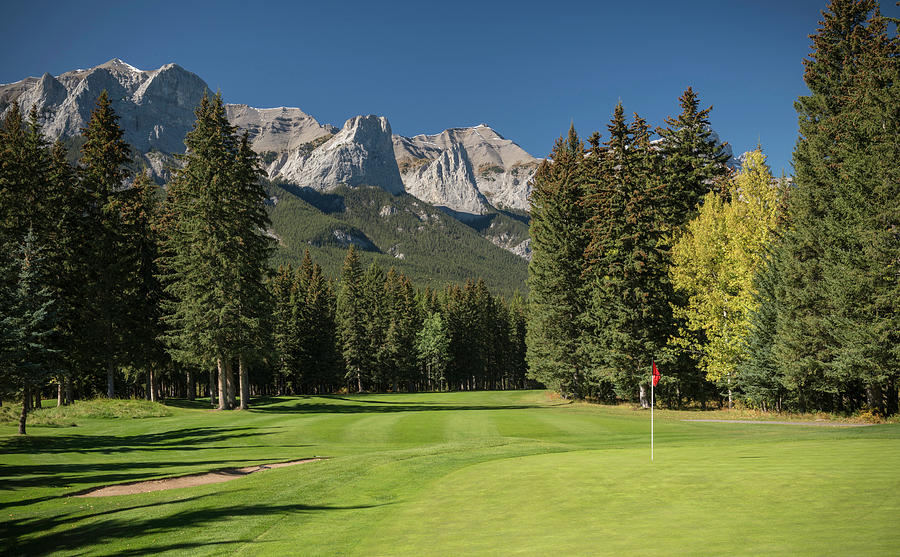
(155, 108)
(498, 169)
(279, 130)
(361, 153)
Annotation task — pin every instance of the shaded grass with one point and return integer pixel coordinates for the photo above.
(451, 473)
(69, 416)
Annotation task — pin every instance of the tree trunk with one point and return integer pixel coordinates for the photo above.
(26, 395)
(245, 383)
(229, 383)
(223, 394)
(643, 396)
(151, 385)
(892, 403)
(191, 387)
(875, 399)
(37, 398)
(59, 392)
(358, 380)
(110, 376)
(212, 387)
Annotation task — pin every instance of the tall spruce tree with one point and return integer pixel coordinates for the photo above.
(215, 250)
(554, 275)
(433, 350)
(694, 159)
(759, 375)
(103, 170)
(629, 317)
(140, 209)
(69, 259)
(351, 320)
(321, 358)
(15, 177)
(285, 292)
(253, 247)
(375, 367)
(836, 326)
(27, 323)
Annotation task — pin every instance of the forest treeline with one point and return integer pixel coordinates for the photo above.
(782, 294)
(111, 285)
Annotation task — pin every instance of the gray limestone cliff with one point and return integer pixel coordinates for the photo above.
(361, 153)
(468, 170)
(155, 108)
(278, 130)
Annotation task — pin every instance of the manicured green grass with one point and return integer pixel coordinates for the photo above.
(452, 474)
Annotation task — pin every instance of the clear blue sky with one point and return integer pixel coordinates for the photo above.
(527, 69)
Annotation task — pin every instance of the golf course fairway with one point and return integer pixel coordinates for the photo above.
(485, 473)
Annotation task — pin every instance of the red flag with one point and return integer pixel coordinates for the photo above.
(655, 375)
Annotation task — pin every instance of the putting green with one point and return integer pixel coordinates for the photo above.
(790, 499)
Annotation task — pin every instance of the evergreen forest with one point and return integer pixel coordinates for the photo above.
(113, 286)
(745, 288)
(649, 245)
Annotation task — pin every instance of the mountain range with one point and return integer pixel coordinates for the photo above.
(471, 176)
(471, 171)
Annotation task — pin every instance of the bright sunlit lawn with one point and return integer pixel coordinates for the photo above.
(489, 473)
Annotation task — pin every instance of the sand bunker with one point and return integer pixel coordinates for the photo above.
(217, 476)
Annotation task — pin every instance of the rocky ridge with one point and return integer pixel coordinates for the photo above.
(468, 170)
(155, 108)
(279, 129)
(361, 153)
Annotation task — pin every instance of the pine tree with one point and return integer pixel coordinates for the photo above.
(322, 359)
(254, 247)
(69, 259)
(27, 323)
(517, 368)
(375, 367)
(629, 317)
(351, 320)
(554, 274)
(140, 214)
(14, 176)
(103, 172)
(303, 322)
(694, 160)
(759, 375)
(397, 355)
(215, 252)
(433, 350)
(836, 295)
(285, 293)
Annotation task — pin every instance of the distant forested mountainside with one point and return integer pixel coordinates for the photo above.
(420, 240)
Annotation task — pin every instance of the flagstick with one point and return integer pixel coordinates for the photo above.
(651, 417)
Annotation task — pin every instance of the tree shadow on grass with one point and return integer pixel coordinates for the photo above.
(176, 440)
(374, 406)
(34, 536)
(103, 473)
(320, 404)
(197, 404)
